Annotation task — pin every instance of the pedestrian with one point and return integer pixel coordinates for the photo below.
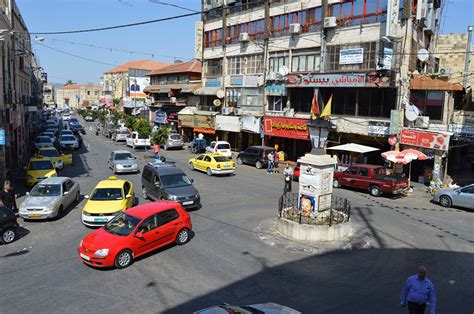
(288, 173)
(8, 196)
(156, 150)
(417, 292)
(276, 161)
(271, 158)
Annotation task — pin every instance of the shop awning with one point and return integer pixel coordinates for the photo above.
(207, 91)
(356, 148)
(162, 89)
(202, 130)
(190, 88)
(427, 83)
(187, 110)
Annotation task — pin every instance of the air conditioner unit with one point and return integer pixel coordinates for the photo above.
(244, 37)
(272, 76)
(422, 122)
(330, 22)
(237, 111)
(172, 100)
(443, 72)
(422, 10)
(226, 111)
(295, 28)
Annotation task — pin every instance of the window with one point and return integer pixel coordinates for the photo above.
(213, 38)
(200, 157)
(357, 12)
(430, 103)
(147, 174)
(213, 67)
(69, 185)
(126, 188)
(277, 60)
(276, 103)
(234, 65)
(368, 62)
(254, 64)
(149, 224)
(351, 170)
(363, 172)
(207, 159)
(167, 216)
(468, 189)
(305, 61)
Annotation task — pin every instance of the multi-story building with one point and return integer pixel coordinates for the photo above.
(77, 96)
(49, 95)
(172, 89)
(266, 61)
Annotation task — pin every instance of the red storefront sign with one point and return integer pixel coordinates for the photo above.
(286, 127)
(424, 139)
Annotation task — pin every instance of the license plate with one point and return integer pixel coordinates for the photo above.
(35, 215)
(100, 220)
(226, 166)
(87, 258)
(187, 203)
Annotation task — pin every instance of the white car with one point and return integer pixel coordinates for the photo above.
(134, 140)
(66, 116)
(220, 147)
(49, 134)
(66, 132)
(44, 141)
(68, 141)
(50, 198)
(89, 118)
(120, 134)
(53, 121)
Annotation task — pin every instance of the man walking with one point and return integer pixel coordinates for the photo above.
(288, 173)
(8, 197)
(270, 158)
(417, 292)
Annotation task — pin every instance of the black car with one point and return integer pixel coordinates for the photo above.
(255, 155)
(8, 225)
(166, 182)
(77, 129)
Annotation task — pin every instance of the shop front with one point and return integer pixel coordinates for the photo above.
(251, 131)
(228, 129)
(186, 124)
(461, 148)
(290, 135)
(205, 123)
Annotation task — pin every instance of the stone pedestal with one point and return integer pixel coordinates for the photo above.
(315, 185)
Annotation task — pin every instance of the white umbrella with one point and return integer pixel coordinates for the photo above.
(356, 148)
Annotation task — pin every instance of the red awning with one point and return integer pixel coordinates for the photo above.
(202, 130)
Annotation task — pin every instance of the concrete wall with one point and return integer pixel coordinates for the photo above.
(313, 233)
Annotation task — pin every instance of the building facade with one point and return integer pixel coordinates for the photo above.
(77, 96)
(49, 95)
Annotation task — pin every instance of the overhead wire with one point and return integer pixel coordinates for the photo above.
(173, 5)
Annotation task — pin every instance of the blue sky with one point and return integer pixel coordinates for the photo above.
(170, 38)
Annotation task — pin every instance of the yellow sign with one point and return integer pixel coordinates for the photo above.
(186, 120)
(217, 102)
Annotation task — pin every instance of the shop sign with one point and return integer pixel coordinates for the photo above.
(276, 89)
(2, 136)
(334, 80)
(351, 56)
(198, 36)
(395, 121)
(286, 127)
(250, 81)
(462, 132)
(463, 117)
(250, 123)
(424, 139)
(173, 116)
(392, 140)
(186, 120)
(237, 80)
(379, 128)
(387, 58)
(161, 117)
(204, 122)
(227, 123)
(213, 83)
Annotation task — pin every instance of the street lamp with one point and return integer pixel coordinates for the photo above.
(318, 134)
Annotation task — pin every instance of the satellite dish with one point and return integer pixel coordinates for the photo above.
(411, 113)
(220, 93)
(284, 70)
(423, 55)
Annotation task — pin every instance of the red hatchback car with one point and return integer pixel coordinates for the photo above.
(135, 232)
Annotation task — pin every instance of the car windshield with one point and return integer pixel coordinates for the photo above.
(221, 158)
(48, 134)
(175, 137)
(223, 146)
(122, 132)
(122, 224)
(143, 137)
(43, 139)
(107, 194)
(49, 153)
(175, 180)
(41, 165)
(123, 156)
(68, 138)
(46, 190)
(67, 132)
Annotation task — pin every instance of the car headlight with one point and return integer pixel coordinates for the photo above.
(197, 195)
(101, 253)
(173, 197)
(85, 213)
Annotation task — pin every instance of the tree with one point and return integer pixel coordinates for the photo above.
(143, 127)
(115, 116)
(69, 82)
(129, 122)
(160, 136)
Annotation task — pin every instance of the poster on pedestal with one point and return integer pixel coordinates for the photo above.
(307, 206)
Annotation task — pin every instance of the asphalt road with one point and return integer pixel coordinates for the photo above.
(226, 261)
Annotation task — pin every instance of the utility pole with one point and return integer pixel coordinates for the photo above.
(322, 62)
(468, 55)
(266, 37)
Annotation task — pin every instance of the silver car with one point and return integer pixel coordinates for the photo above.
(120, 135)
(174, 141)
(68, 141)
(43, 141)
(121, 161)
(50, 198)
(462, 197)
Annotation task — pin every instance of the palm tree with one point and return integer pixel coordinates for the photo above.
(69, 82)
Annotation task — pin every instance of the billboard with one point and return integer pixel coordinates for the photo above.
(136, 86)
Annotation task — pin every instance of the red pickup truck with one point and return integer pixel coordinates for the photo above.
(371, 178)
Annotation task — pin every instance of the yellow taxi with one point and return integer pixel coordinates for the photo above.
(58, 160)
(212, 164)
(38, 169)
(108, 198)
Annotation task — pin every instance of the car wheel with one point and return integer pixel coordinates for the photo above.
(123, 259)
(239, 161)
(258, 164)
(375, 190)
(60, 211)
(191, 166)
(78, 197)
(182, 237)
(166, 147)
(8, 236)
(145, 196)
(445, 201)
(115, 169)
(335, 183)
(209, 171)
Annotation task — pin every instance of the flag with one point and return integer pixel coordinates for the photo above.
(315, 106)
(327, 109)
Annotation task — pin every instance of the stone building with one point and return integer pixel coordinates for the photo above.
(77, 96)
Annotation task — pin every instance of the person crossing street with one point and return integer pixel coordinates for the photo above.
(288, 175)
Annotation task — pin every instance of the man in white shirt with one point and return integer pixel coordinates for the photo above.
(288, 174)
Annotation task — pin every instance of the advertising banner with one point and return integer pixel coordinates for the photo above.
(351, 56)
(137, 85)
(207, 122)
(334, 80)
(379, 128)
(186, 120)
(286, 127)
(424, 139)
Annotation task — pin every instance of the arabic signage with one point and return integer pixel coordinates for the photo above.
(462, 132)
(351, 56)
(395, 121)
(286, 127)
(463, 117)
(198, 35)
(334, 80)
(276, 89)
(206, 122)
(379, 128)
(186, 120)
(424, 139)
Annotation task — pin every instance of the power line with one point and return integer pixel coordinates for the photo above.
(116, 26)
(173, 5)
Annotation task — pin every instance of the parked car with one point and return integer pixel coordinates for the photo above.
(44, 141)
(108, 129)
(262, 308)
(135, 140)
(53, 122)
(109, 198)
(78, 129)
(66, 132)
(135, 232)
(121, 161)
(8, 225)
(50, 198)
(120, 135)
(89, 119)
(296, 172)
(38, 169)
(68, 141)
(220, 147)
(173, 141)
(58, 160)
(51, 135)
(166, 182)
(371, 178)
(212, 164)
(462, 197)
(73, 121)
(255, 155)
(65, 116)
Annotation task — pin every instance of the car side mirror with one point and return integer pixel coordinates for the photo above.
(128, 196)
(139, 235)
(66, 193)
(192, 180)
(86, 196)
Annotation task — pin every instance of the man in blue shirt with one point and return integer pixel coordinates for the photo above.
(417, 292)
